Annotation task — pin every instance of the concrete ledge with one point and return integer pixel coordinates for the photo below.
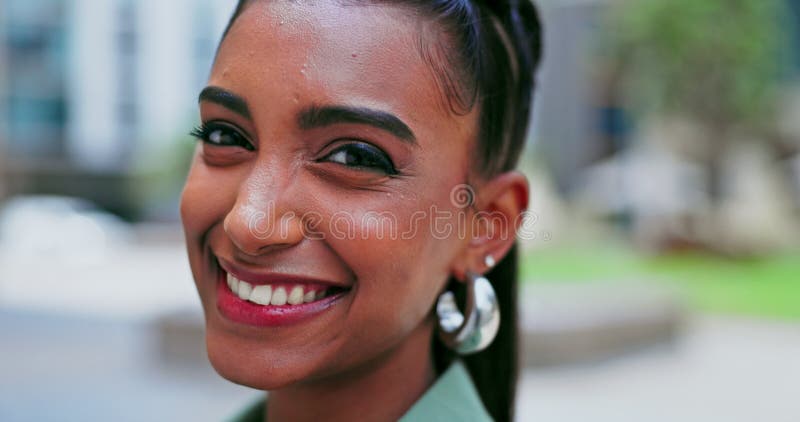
(579, 323)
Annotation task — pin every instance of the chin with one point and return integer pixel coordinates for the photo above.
(258, 369)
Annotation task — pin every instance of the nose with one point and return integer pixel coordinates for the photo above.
(260, 221)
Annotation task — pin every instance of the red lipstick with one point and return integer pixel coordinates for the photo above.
(237, 305)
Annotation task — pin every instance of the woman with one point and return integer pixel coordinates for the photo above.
(356, 165)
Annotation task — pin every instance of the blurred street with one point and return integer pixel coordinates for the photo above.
(723, 369)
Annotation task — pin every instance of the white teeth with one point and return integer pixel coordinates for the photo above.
(278, 297)
(233, 283)
(265, 294)
(296, 296)
(245, 289)
(261, 294)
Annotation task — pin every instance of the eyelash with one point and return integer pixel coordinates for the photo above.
(205, 132)
(377, 160)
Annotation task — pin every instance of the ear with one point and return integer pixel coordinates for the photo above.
(499, 206)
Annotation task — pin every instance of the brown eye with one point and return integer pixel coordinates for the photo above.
(361, 155)
(221, 135)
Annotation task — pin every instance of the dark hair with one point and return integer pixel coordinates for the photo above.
(486, 56)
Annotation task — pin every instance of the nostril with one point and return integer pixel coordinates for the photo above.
(256, 230)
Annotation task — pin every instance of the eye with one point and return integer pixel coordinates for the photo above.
(219, 134)
(361, 155)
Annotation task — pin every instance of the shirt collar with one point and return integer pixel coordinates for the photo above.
(452, 397)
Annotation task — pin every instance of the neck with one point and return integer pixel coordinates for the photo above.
(383, 389)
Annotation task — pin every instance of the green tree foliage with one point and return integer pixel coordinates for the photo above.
(717, 61)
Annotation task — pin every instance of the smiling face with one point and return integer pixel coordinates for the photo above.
(325, 144)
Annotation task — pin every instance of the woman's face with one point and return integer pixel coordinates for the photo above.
(328, 152)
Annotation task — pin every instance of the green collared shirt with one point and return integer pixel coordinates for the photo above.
(452, 397)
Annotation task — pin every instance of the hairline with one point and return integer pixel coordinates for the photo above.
(452, 87)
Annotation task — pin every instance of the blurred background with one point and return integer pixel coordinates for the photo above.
(661, 276)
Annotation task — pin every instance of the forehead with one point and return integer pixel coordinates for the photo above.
(327, 53)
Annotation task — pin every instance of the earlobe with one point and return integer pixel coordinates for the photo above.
(499, 204)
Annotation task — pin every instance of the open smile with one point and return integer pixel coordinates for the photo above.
(273, 299)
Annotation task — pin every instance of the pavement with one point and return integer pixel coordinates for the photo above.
(722, 369)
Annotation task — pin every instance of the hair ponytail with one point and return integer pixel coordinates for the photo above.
(494, 371)
(505, 56)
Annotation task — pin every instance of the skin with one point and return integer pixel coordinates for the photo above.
(368, 357)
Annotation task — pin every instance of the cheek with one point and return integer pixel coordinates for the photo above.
(400, 264)
(206, 199)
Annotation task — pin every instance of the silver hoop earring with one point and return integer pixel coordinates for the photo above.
(474, 330)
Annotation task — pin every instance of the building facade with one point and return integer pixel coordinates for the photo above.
(93, 88)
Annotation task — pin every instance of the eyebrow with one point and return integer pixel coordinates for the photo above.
(225, 98)
(321, 116)
(318, 116)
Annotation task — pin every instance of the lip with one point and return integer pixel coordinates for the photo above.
(245, 312)
(257, 278)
